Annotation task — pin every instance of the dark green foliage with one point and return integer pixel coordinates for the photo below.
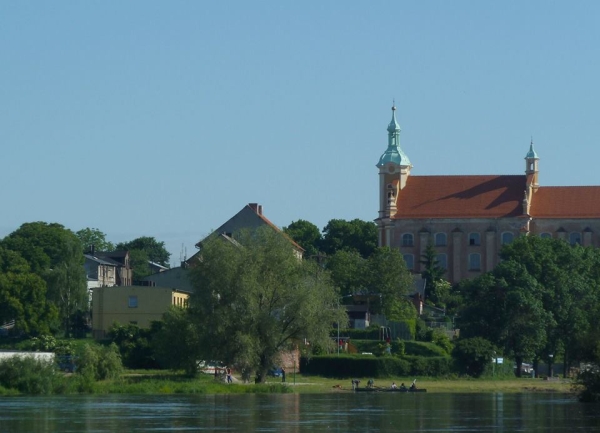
(178, 333)
(54, 253)
(155, 250)
(588, 385)
(305, 234)
(23, 296)
(351, 366)
(432, 273)
(135, 346)
(421, 348)
(355, 235)
(472, 355)
(30, 376)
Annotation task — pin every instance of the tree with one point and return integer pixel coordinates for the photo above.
(432, 273)
(23, 296)
(92, 236)
(54, 253)
(473, 355)
(387, 276)
(348, 271)
(505, 307)
(355, 235)
(305, 234)
(255, 299)
(144, 249)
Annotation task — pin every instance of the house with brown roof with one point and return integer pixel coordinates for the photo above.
(250, 217)
(469, 218)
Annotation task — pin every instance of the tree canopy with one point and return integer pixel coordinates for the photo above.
(54, 253)
(305, 234)
(92, 236)
(255, 299)
(144, 249)
(356, 235)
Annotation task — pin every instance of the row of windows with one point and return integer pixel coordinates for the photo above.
(442, 261)
(441, 239)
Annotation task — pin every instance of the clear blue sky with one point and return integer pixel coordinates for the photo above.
(165, 118)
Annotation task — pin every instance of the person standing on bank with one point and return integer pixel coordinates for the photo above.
(282, 374)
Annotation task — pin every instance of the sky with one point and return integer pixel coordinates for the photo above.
(164, 119)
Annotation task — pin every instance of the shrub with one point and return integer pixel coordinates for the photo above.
(472, 355)
(439, 338)
(588, 385)
(30, 376)
(99, 362)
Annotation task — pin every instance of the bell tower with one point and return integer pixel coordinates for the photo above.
(394, 169)
(531, 168)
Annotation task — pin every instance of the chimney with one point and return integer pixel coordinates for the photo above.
(256, 208)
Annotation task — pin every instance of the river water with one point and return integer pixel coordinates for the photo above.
(336, 412)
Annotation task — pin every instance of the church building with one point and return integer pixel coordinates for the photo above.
(468, 218)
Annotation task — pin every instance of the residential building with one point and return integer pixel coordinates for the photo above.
(139, 305)
(469, 218)
(106, 269)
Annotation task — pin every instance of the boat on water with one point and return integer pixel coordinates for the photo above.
(389, 390)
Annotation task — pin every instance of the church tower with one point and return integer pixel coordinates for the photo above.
(394, 169)
(531, 173)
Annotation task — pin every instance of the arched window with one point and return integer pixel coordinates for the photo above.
(407, 240)
(474, 239)
(440, 240)
(546, 235)
(575, 238)
(442, 261)
(410, 261)
(474, 262)
(507, 238)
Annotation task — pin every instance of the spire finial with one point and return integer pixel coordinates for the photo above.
(394, 104)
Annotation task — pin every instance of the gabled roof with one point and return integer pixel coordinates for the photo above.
(566, 202)
(486, 196)
(101, 261)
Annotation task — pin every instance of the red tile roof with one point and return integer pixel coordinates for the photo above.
(566, 202)
(461, 197)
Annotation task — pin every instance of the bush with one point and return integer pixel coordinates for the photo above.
(135, 345)
(99, 362)
(439, 338)
(30, 376)
(588, 385)
(472, 355)
(430, 366)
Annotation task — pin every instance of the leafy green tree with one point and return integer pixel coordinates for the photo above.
(254, 300)
(305, 234)
(432, 273)
(178, 333)
(387, 275)
(23, 296)
(473, 355)
(348, 271)
(54, 253)
(505, 307)
(355, 235)
(154, 249)
(92, 236)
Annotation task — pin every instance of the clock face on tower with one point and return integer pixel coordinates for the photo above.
(391, 169)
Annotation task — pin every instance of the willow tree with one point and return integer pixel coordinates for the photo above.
(254, 298)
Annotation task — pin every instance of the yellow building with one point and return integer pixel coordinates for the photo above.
(139, 305)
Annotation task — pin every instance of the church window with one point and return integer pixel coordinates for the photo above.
(575, 238)
(442, 261)
(546, 235)
(440, 239)
(407, 240)
(409, 259)
(474, 239)
(507, 237)
(474, 262)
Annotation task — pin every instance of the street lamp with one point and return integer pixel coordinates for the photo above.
(550, 372)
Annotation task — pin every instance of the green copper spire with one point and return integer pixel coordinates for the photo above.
(532, 153)
(394, 153)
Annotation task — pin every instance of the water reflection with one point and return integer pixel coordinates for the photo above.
(340, 412)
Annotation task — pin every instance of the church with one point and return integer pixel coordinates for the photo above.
(468, 218)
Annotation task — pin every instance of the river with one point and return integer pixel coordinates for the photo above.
(336, 412)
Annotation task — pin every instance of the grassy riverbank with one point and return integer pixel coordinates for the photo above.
(152, 382)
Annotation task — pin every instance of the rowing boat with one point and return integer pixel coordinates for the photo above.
(389, 390)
